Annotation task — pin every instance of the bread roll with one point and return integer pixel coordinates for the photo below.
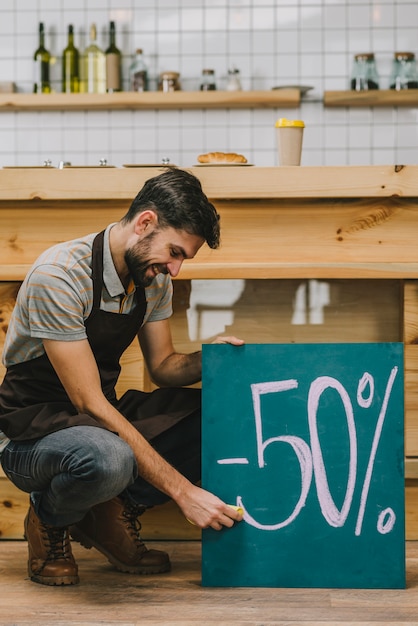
(221, 157)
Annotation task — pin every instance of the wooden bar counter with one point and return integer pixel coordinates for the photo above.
(288, 233)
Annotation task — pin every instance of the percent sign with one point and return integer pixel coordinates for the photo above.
(311, 459)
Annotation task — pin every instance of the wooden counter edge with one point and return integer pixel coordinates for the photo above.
(191, 270)
(220, 182)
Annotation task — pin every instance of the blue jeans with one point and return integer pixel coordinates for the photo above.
(69, 471)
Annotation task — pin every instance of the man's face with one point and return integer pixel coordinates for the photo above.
(161, 251)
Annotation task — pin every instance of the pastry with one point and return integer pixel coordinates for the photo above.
(221, 157)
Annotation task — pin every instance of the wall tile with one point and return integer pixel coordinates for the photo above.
(7, 27)
(335, 157)
(359, 15)
(310, 17)
(8, 142)
(215, 18)
(97, 140)
(313, 41)
(407, 136)
(383, 136)
(406, 156)
(191, 19)
(383, 15)
(239, 18)
(360, 157)
(335, 17)
(380, 157)
(406, 14)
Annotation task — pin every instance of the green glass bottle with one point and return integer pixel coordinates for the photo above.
(42, 60)
(113, 63)
(70, 65)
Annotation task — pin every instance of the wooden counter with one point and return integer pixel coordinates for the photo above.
(345, 225)
(296, 222)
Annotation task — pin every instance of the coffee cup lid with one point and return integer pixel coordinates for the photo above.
(282, 122)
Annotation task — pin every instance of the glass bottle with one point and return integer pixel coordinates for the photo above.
(113, 63)
(94, 65)
(364, 75)
(208, 82)
(138, 73)
(42, 59)
(404, 71)
(70, 65)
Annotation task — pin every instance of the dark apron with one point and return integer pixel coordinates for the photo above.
(33, 401)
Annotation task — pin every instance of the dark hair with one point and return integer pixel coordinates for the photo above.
(177, 198)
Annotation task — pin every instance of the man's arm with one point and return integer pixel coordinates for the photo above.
(166, 367)
(77, 370)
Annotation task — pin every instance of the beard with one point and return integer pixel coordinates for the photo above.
(137, 259)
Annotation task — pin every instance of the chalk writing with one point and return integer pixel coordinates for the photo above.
(310, 458)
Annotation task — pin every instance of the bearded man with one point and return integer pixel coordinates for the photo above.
(92, 462)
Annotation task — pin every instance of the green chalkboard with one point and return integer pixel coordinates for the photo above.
(309, 440)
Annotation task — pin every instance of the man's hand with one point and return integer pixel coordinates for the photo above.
(206, 510)
(232, 340)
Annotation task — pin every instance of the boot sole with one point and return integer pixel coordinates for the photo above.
(144, 570)
(56, 581)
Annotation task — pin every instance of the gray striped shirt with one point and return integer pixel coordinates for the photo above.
(56, 298)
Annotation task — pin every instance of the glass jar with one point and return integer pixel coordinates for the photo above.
(404, 71)
(169, 81)
(364, 75)
(208, 82)
(234, 81)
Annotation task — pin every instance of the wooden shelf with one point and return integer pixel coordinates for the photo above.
(373, 98)
(280, 98)
(286, 98)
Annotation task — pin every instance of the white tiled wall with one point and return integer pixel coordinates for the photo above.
(272, 42)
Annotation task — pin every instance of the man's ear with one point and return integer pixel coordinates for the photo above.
(145, 222)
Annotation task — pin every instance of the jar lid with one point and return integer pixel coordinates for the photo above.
(206, 71)
(404, 56)
(282, 122)
(364, 56)
(170, 75)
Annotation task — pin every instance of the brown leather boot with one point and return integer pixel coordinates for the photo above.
(113, 529)
(51, 561)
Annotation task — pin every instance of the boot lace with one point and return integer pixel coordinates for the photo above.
(131, 512)
(58, 543)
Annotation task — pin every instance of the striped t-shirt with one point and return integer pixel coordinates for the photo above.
(56, 298)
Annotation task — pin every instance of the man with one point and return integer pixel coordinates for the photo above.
(93, 463)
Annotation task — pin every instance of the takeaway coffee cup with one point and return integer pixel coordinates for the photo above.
(289, 135)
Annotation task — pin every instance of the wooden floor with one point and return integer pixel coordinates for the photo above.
(107, 597)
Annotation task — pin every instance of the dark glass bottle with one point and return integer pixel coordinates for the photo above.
(113, 63)
(70, 65)
(42, 60)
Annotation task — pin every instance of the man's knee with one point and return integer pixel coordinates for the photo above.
(107, 458)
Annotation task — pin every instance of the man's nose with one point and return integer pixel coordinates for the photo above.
(174, 267)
